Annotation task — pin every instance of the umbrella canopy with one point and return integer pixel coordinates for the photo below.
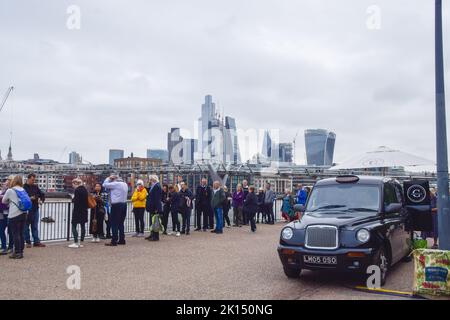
(383, 157)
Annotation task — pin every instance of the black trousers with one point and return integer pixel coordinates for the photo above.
(139, 219)
(268, 209)
(208, 220)
(226, 218)
(17, 225)
(165, 217)
(251, 219)
(261, 213)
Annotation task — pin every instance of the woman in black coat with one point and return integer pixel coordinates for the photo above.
(97, 214)
(174, 202)
(251, 207)
(80, 212)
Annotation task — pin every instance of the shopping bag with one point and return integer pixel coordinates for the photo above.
(431, 272)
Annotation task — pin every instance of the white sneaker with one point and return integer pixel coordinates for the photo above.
(169, 233)
(97, 239)
(80, 245)
(94, 240)
(178, 234)
(74, 246)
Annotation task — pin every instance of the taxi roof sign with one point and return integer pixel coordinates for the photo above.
(347, 179)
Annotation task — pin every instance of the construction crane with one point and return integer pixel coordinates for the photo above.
(8, 92)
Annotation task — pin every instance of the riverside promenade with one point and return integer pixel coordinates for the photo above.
(234, 265)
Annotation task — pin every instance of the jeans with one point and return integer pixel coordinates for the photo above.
(75, 231)
(175, 221)
(118, 215)
(16, 225)
(139, 219)
(268, 208)
(218, 212)
(237, 216)
(33, 222)
(3, 226)
(186, 221)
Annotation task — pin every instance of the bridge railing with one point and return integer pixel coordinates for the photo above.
(55, 220)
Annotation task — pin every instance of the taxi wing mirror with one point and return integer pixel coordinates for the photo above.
(393, 208)
(299, 208)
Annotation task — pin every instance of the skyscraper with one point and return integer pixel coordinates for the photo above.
(231, 144)
(217, 136)
(175, 146)
(319, 145)
(285, 152)
(115, 154)
(189, 149)
(206, 123)
(74, 158)
(267, 145)
(158, 154)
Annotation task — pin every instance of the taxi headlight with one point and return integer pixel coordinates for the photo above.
(287, 233)
(363, 235)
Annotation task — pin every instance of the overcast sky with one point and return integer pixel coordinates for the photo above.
(135, 69)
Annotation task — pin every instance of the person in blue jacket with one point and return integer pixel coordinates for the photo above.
(302, 195)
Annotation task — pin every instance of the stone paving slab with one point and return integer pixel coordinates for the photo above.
(234, 265)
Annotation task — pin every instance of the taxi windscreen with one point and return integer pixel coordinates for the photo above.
(341, 197)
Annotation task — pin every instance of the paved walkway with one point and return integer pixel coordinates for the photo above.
(234, 265)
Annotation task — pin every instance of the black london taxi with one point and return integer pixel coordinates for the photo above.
(349, 223)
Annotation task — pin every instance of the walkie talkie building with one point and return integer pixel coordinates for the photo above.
(319, 145)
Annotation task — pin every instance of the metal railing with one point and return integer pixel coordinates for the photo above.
(55, 220)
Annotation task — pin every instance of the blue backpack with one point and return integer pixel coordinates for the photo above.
(24, 204)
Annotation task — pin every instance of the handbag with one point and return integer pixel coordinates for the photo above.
(92, 203)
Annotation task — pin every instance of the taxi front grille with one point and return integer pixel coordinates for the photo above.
(322, 237)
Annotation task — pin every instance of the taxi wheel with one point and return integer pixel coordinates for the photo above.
(382, 261)
(292, 272)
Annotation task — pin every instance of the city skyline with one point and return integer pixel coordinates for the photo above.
(268, 72)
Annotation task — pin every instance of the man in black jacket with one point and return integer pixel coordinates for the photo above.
(251, 206)
(203, 196)
(186, 198)
(33, 215)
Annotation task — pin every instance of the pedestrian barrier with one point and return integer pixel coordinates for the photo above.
(55, 220)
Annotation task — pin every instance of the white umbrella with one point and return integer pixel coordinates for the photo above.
(383, 157)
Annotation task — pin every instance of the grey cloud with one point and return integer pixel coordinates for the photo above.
(137, 68)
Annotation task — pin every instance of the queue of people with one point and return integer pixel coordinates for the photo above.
(107, 205)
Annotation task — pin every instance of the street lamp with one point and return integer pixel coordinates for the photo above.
(441, 137)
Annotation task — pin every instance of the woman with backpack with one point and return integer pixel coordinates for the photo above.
(19, 203)
(80, 212)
